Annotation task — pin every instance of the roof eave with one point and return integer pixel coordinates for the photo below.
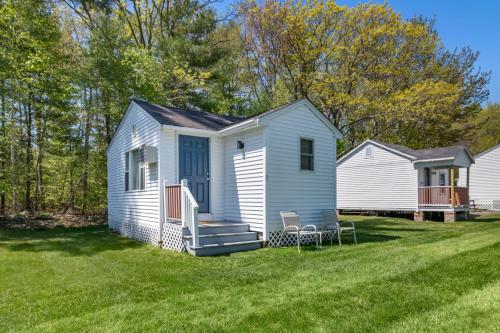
(241, 126)
(451, 158)
(189, 129)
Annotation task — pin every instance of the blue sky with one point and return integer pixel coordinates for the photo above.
(460, 23)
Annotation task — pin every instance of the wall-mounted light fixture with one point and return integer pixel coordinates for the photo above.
(240, 144)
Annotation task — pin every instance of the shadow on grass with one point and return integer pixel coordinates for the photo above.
(86, 241)
(385, 302)
(489, 219)
(348, 239)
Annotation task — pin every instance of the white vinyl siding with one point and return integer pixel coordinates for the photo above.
(288, 187)
(484, 179)
(133, 206)
(384, 182)
(244, 179)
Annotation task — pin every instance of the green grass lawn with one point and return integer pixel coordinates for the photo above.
(402, 277)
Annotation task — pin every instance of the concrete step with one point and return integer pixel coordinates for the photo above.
(222, 228)
(224, 248)
(224, 238)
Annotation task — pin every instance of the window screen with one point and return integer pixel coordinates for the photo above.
(306, 154)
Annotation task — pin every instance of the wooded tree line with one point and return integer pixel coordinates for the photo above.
(68, 69)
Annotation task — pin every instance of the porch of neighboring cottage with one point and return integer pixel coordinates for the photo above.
(438, 191)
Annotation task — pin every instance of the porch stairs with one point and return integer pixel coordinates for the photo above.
(222, 238)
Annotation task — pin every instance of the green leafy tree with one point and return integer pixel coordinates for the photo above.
(486, 129)
(374, 74)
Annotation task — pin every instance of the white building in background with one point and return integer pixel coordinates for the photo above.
(485, 179)
(378, 176)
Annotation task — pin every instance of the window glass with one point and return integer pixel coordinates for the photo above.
(306, 154)
(442, 179)
(127, 173)
(135, 170)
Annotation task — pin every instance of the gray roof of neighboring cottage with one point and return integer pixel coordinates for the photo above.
(187, 117)
(417, 155)
(427, 154)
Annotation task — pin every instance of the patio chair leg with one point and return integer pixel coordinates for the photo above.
(355, 240)
(338, 236)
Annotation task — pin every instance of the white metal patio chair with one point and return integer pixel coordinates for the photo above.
(291, 225)
(330, 219)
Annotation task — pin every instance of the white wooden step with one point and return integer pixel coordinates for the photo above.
(224, 248)
(224, 238)
(222, 228)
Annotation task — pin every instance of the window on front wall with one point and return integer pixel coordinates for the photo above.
(135, 170)
(306, 154)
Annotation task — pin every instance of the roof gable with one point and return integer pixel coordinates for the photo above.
(271, 114)
(395, 149)
(417, 155)
(488, 151)
(129, 109)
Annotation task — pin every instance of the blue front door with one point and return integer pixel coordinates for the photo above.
(194, 166)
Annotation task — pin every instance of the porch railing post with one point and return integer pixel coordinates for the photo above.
(194, 226)
(184, 184)
(452, 186)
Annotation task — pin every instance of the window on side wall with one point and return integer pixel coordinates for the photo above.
(306, 154)
(135, 170)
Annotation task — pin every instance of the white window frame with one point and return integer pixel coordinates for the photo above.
(309, 155)
(134, 174)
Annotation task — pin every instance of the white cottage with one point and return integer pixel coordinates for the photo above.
(239, 174)
(378, 176)
(485, 179)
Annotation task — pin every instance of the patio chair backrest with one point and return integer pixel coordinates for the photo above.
(290, 218)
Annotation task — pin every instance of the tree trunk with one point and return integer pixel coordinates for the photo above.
(3, 157)
(88, 116)
(41, 126)
(29, 156)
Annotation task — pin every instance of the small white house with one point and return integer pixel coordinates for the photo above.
(238, 170)
(378, 176)
(485, 179)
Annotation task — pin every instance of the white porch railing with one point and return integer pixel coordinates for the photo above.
(189, 212)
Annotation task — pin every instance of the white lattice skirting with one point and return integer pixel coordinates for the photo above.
(172, 233)
(172, 237)
(142, 232)
(291, 240)
(488, 205)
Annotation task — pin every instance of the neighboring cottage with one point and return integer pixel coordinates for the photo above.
(485, 179)
(378, 176)
(243, 171)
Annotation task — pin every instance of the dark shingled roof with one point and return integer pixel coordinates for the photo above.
(427, 154)
(187, 117)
